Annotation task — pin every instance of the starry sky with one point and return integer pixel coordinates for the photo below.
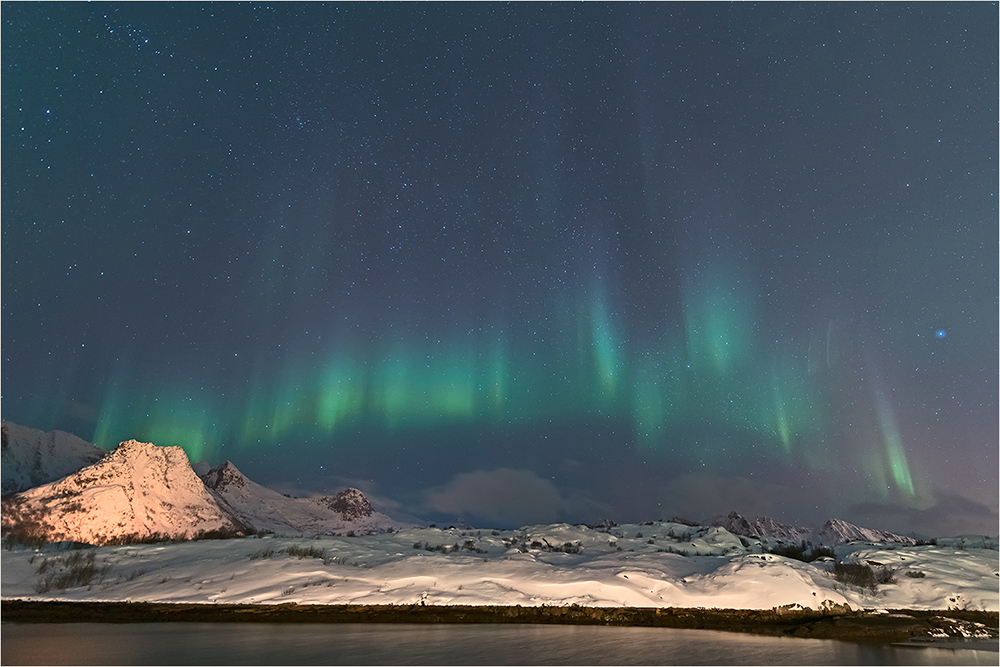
(517, 263)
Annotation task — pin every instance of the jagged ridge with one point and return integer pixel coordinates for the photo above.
(264, 510)
(833, 532)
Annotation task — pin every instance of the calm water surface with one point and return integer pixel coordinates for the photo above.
(418, 644)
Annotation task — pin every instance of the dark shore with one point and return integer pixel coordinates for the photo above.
(856, 626)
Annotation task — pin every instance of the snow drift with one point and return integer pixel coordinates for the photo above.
(650, 565)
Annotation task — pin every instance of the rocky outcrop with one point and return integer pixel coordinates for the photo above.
(351, 504)
(224, 477)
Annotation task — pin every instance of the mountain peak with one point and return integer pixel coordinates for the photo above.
(349, 503)
(224, 476)
(134, 445)
(837, 530)
(762, 526)
(137, 491)
(138, 454)
(264, 509)
(834, 531)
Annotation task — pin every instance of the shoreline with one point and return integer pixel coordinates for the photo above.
(886, 626)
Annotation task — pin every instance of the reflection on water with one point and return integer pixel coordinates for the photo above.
(405, 644)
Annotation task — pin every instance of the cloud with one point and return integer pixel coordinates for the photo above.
(803, 503)
(702, 496)
(506, 497)
(950, 514)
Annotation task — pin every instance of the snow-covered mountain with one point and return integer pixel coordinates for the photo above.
(836, 531)
(259, 508)
(141, 490)
(29, 457)
(833, 532)
(762, 526)
(137, 491)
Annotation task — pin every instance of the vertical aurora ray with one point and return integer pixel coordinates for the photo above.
(699, 387)
(256, 423)
(188, 426)
(661, 395)
(451, 384)
(822, 353)
(718, 321)
(648, 411)
(252, 428)
(494, 379)
(782, 422)
(604, 344)
(109, 430)
(170, 416)
(650, 407)
(424, 384)
(892, 445)
(289, 404)
(341, 393)
(792, 411)
(721, 368)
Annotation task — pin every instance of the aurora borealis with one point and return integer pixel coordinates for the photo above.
(517, 263)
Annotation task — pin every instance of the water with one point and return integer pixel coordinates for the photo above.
(416, 644)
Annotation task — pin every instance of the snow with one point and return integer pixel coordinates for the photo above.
(836, 531)
(832, 532)
(29, 457)
(139, 489)
(953, 578)
(538, 565)
(265, 510)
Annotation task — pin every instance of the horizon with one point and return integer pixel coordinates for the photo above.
(202, 470)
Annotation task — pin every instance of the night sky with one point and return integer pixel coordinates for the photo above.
(517, 263)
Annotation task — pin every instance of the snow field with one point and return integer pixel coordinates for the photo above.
(629, 565)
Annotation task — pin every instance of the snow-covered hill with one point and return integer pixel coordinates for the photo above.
(264, 510)
(659, 564)
(137, 491)
(833, 532)
(29, 457)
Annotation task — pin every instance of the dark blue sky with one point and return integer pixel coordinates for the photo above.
(517, 262)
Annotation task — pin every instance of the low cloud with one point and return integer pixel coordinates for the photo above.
(506, 497)
(950, 514)
(700, 497)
